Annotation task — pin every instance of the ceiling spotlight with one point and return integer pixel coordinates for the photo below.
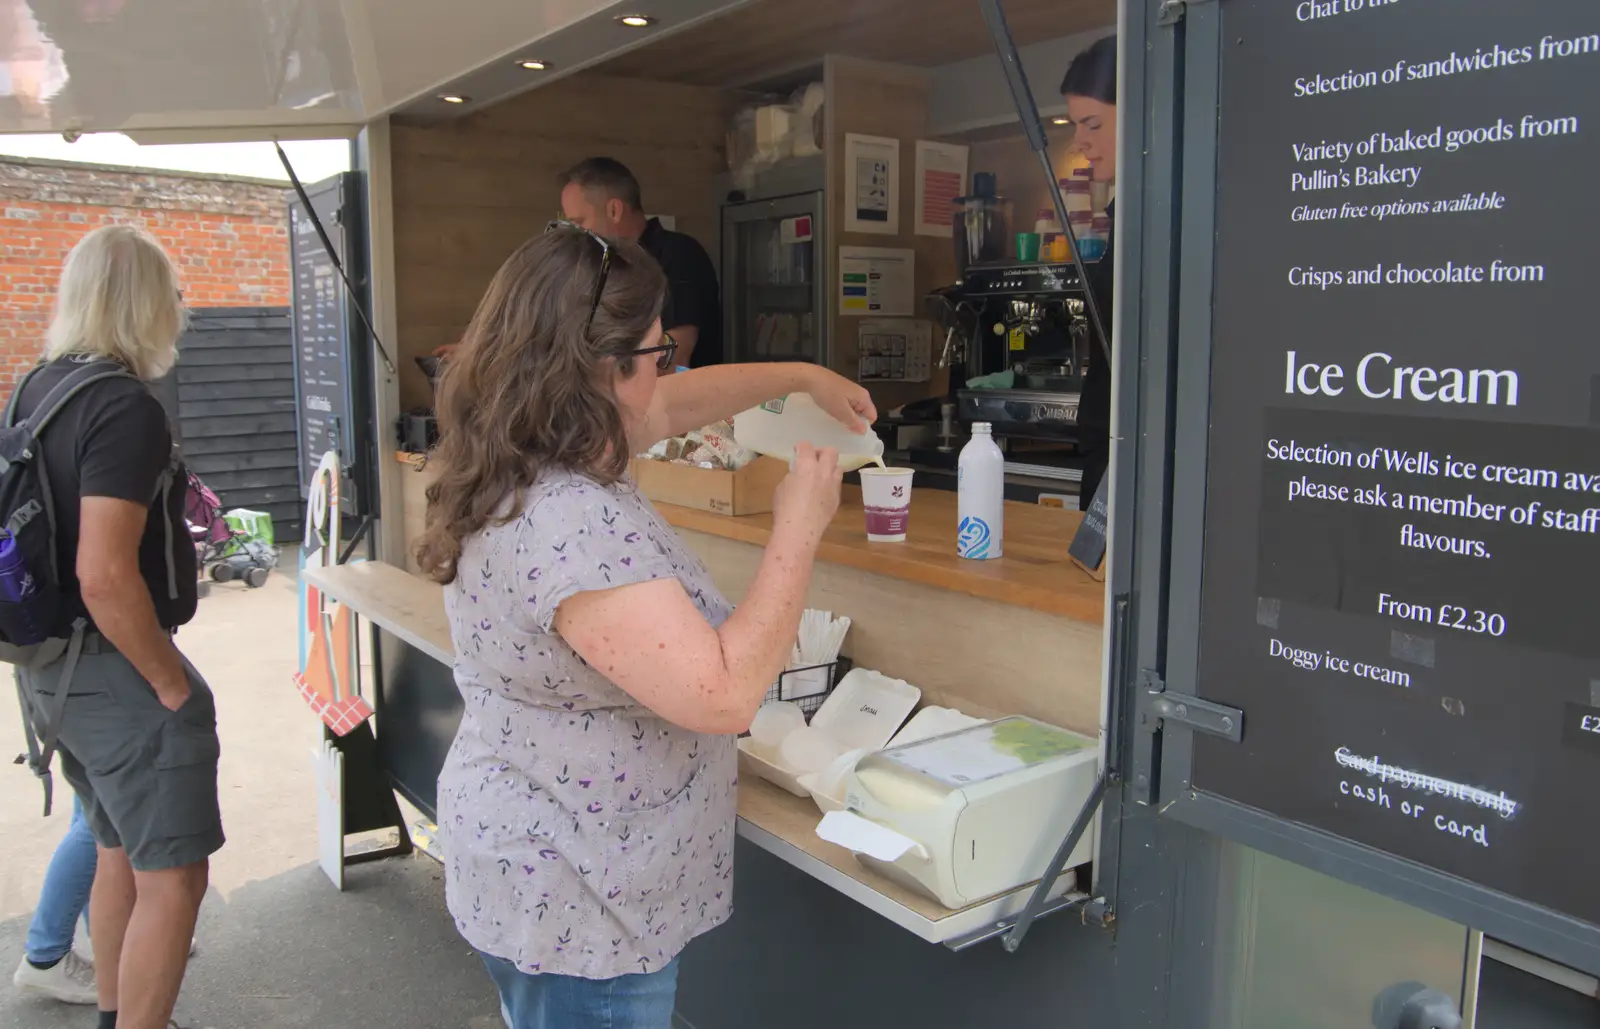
(454, 98)
(1060, 119)
(637, 21)
(532, 64)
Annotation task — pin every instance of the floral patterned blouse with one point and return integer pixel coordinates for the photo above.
(583, 835)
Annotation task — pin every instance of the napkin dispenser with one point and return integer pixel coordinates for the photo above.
(971, 814)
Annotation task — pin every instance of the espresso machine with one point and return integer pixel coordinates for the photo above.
(1018, 340)
(1019, 334)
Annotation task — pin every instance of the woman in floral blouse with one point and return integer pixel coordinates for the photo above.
(587, 806)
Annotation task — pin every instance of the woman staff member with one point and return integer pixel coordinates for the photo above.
(1090, 89)
(587, 805)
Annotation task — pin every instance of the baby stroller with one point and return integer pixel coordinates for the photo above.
(227, 553)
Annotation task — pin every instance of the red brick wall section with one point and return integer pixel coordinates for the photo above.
(228, 238)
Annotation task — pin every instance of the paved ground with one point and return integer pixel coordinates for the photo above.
(279, 948)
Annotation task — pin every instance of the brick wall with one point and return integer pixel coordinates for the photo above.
(228, 238)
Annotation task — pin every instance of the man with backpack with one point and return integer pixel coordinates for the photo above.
(96, 574)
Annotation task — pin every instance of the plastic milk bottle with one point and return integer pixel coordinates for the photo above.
(775, 427)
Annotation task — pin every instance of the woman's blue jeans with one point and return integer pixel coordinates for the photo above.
(643, 1001)
(65, 894)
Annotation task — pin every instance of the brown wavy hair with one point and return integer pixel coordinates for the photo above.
(528, 389)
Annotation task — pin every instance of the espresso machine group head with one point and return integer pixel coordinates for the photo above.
(1027, 337)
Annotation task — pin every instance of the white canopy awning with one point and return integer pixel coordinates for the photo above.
(193, 70)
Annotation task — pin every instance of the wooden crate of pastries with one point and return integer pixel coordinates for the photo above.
(743, 492)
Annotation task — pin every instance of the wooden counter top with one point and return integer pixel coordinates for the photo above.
(1034, 573)
(413, 609)
(407, 605)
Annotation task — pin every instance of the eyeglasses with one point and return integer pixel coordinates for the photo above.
(664, 352)
(605, 266)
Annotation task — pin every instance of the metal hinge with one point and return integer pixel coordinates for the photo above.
(1100, 912)
(1172, 11)
(1158, 709)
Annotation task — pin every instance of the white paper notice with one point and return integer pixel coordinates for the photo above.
(893, 350)
(802, 683)
(941, 177)
(859, 836)
(872, 184)
(876, 281)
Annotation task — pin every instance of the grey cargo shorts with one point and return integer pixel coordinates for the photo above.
(147, 776)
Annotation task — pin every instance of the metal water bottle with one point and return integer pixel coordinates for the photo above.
(19, 593)
(980, 496)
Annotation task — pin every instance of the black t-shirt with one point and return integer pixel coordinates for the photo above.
(1094, 406)
(113, 440)
(692, 294)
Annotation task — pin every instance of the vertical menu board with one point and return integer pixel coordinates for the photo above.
(321, 332)
(1402, 536)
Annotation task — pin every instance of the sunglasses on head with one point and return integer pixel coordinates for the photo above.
(605, 265)
(665, 351)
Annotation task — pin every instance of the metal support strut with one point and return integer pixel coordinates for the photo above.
(1013, 939)
(333, 255)
(1028, 113)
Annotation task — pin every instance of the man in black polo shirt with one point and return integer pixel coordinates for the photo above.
(602, 195)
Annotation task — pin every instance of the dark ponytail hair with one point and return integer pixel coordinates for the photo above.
(1093, 73)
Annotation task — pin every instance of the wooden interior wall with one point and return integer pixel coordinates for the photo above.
(881, 100)
(468, 192)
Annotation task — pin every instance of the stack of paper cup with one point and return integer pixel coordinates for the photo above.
(886, 494)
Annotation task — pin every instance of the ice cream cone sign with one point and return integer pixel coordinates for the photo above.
(327, 678)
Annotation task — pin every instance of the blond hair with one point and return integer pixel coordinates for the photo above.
(118, 299)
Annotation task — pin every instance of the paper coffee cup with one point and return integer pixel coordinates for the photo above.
(886, 494)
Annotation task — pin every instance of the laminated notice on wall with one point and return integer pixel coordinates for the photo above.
(893, 350)
(876, 281)
(941, 177)
(872, 184)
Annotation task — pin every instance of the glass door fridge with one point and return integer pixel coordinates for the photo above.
(773, 272)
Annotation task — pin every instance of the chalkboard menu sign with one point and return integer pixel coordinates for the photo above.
(326, 369)
(1402, 537)
(1088, 547)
